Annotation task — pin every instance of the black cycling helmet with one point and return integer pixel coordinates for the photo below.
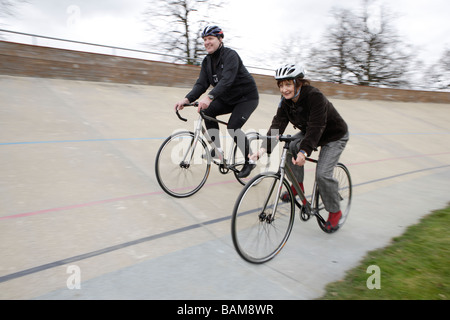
(212, 31)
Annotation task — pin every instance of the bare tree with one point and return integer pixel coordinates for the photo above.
(363, 49)
(8, 8)
(438, 75)
(292, 49)
(331, 58)
(379, 57)
(176, 26)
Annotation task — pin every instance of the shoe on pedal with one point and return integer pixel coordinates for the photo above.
(333, 221)
(245, 172)
(286, 198)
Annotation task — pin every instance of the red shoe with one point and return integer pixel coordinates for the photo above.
(333, 220)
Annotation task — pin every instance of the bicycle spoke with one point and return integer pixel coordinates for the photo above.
(180, 168)
(258, 235)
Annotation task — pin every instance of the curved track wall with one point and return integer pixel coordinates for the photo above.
(38, 61)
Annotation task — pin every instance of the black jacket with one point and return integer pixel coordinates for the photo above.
(314, 115)
(225, 71)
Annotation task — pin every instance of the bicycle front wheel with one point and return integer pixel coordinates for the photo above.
(182, 164)
(261, 223)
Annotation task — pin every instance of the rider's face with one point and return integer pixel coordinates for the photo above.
(287, 89)
(211, 44)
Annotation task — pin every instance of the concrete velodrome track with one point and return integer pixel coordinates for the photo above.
(78, 188)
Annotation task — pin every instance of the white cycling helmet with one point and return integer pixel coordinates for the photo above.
(289, 72)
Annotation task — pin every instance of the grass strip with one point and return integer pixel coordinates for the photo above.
(415, 266)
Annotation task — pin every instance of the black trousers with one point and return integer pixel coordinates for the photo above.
(240, 112)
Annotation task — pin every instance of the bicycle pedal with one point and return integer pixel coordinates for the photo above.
(304, 217)
(220, 163)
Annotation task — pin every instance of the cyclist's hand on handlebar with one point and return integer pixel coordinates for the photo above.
(255, 156)
(204, 103)
(180, 104)
(300, 160)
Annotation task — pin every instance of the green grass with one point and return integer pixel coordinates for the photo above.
(415, 266)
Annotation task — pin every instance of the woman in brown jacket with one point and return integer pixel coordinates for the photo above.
(320, 125)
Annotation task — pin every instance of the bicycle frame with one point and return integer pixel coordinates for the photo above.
(286, 170)
(200, 129)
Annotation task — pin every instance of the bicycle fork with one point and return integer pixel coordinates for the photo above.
(188, 156)
(283, 170)
(197, 136)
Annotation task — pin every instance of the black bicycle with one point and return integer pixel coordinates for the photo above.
(183, 161)
(262, 222)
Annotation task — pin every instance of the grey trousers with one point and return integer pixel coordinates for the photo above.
(328, 158)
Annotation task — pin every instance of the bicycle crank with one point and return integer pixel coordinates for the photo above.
(223, 168)
(304, 215)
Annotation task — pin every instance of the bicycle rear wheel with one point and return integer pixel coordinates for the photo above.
(342, 176)
(182, 164)
(261, 223)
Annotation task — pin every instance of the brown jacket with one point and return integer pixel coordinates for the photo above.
(314, 115)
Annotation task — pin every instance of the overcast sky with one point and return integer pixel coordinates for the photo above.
(257, 24)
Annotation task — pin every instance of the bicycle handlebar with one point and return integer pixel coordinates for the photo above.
(195, 104)
(282, 138)
(202, 114)
(288, 139)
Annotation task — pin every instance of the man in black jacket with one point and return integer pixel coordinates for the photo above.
(234, 92)
(320, 125)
